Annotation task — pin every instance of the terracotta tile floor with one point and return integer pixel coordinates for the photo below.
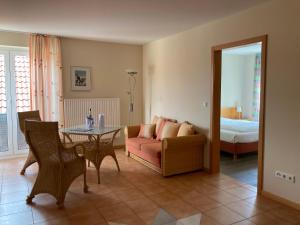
(134, 197)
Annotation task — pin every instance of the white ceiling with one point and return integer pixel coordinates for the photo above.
(125, 21)
(244, 50)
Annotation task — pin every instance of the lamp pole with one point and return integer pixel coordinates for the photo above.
(131, 92)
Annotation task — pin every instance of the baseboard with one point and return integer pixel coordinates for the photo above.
(281, 200)
(13, 156)
(119, 146)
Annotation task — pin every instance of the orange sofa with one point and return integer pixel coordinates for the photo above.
(170, 156)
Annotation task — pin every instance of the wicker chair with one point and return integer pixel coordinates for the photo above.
(30, 115)
(58, 165)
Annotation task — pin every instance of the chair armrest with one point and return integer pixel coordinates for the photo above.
(182, 154)
(72, 148)
(131, 131)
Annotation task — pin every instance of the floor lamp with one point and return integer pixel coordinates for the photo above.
(131, 91)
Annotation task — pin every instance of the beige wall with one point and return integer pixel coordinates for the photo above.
(177, 71)
(108, 62)
(14, 39)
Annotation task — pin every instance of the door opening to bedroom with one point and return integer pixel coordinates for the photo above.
(238, 101)
(239, 120)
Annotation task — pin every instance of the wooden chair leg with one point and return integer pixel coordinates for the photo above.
(29, 161)
(34, 191)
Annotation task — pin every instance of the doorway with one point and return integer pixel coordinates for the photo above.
(14, 98)
(237, 109)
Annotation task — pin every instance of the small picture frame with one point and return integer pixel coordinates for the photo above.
(80, 78)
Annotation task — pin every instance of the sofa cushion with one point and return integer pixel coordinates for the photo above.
(157, 120)
(185, 129)
(137, 142)
(152, 153)
(169, 130)
(146, 131)
(153, 149)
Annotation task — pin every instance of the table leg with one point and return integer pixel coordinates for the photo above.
(68, 137)
(115, 158)
(101, 151)
(98, 174)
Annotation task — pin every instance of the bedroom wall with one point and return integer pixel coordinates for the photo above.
(248, 85)
(237, 82)
(177, 81)
(231, 90)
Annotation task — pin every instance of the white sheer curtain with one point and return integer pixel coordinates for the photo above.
(46, 77)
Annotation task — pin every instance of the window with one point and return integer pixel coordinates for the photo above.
(22, 82)
(14, 97)
(256, 88)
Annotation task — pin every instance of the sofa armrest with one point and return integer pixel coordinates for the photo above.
(182, 154)
(184, 141)
(131, 131)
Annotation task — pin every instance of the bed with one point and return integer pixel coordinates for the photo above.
(237, 135)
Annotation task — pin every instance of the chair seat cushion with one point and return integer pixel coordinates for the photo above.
(137, 142)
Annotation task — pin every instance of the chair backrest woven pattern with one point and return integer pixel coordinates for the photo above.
(44, 141)
(29, 115)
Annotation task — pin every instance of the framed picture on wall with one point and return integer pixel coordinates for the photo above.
(80, 78)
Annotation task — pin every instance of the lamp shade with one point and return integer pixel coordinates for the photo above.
(131, 72)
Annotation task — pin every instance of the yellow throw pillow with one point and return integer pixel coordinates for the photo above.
(169, 130)
(146, 131)
(185, 130)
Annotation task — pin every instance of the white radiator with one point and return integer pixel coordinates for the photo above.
(76, 110)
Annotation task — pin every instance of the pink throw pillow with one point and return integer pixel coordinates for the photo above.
(160, 127)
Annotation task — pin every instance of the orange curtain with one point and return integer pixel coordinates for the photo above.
(46, 77)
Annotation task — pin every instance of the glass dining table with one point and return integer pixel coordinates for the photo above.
(96, 147)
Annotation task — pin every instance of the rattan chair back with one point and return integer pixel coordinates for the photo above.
(43, 139)
(28, 115)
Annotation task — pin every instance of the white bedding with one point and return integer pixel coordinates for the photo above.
(239, 131)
